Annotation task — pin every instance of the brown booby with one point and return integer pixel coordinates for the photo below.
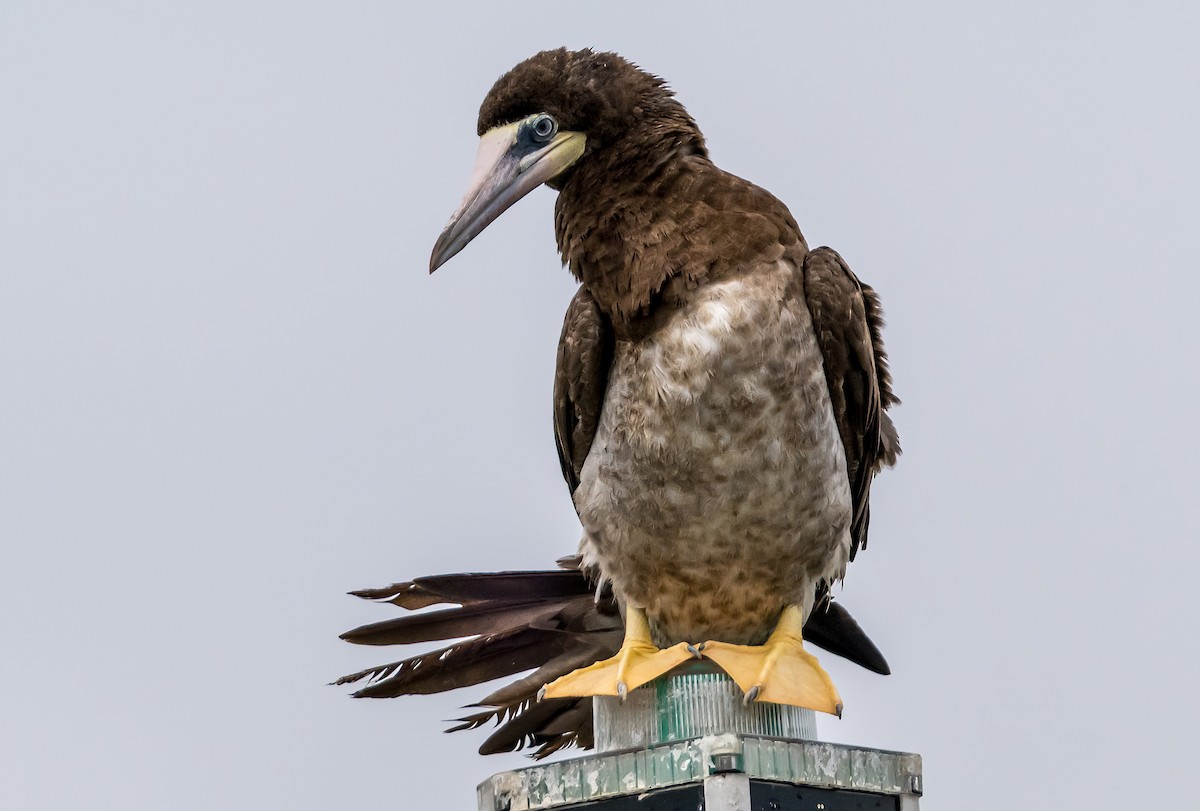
(719, 410)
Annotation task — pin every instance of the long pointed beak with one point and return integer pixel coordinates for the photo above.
(506, 169)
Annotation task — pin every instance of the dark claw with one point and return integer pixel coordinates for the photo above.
(696, 650)
(541, 693)
(838, 711)
(753, 695)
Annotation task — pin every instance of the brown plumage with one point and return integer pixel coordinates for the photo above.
(718, 407)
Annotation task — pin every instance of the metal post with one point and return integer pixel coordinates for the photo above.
(688, 741)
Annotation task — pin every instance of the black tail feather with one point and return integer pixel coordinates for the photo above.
(451, 623)
(831, 627)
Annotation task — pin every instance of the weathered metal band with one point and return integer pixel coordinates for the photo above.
(613, 774)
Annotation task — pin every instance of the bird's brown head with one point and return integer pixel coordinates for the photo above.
(553, 114)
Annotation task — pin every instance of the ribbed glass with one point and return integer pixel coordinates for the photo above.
(693, 701)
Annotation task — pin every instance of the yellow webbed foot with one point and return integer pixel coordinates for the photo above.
(636, 663)
(633, 666)
(779, 671)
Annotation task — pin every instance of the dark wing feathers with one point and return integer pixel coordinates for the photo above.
(549, 725)
(464, 664)
(581, 653)
(544, 621)
(552, 632)
(452, 623)
(585, 352)
(847, 320)
(471, 587)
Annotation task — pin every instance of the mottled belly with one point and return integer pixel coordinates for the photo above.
(715, 491)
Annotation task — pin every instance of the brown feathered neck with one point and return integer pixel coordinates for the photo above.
(646, 223)
(643, 217)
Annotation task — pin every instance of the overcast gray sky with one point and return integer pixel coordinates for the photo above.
(229, 391)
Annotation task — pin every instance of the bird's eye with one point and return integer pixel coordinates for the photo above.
(543, 127)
